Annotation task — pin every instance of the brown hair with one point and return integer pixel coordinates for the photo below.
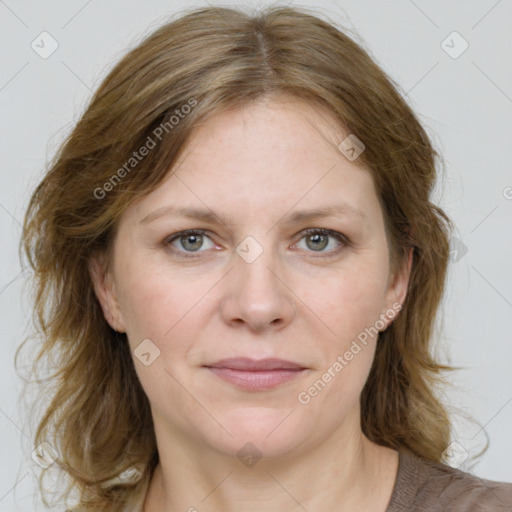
(98, 418)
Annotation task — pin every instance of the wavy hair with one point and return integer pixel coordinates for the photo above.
(96, 415)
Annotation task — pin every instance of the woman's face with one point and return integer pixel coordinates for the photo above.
(255, 283)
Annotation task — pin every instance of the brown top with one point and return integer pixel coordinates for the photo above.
(422, 486)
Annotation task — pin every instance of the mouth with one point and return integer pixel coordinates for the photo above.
(256, 375)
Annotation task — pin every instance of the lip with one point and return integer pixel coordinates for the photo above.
(256, 375)
(256, 365)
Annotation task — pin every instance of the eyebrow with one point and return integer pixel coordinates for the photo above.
(294, 217)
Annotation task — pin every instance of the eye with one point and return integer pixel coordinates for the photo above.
(317, 240)
(190, 241)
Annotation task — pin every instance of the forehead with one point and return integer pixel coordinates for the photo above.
(268, 156)
(275, 125)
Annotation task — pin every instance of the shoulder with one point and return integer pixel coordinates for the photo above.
(426, 485)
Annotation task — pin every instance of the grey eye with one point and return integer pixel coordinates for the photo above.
(317, 241)
(189, 241)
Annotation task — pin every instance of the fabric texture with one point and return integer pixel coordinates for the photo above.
(423, 485)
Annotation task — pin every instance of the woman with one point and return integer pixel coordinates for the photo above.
(238, 269)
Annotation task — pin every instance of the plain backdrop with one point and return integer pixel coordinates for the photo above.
(459, 84)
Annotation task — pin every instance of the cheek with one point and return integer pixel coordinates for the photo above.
(354, 304)
(351, 299)
(153, 302)
(160, 308)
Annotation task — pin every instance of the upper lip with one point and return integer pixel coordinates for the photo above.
(248, 364)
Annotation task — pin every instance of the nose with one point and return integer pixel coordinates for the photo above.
(257, 295)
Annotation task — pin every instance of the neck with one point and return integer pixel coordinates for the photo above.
(336, 475)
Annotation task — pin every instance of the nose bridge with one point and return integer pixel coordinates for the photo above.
(257, 294)
(254, 265)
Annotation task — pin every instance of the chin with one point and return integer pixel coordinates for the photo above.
(262, 430)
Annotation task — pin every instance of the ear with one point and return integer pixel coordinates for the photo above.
(397, 290)
(104, 289)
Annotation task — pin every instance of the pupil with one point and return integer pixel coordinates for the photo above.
(317, 238)
(196, 238)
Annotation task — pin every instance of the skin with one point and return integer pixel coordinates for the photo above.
(299, 302)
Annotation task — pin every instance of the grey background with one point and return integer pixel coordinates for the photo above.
(465, 103)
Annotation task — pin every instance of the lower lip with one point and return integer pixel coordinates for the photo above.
(256, 380)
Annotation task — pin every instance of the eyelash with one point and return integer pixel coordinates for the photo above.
(340, 237)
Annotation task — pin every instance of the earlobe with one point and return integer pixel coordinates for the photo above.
(105, 292)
